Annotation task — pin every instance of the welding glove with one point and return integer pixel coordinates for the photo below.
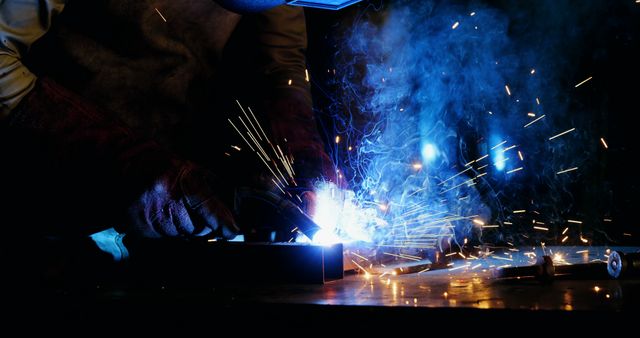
(105, 168)
(293, 126)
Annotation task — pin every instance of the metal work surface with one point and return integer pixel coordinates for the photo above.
(444, 295)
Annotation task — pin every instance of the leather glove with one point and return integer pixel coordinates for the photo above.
(181, 202)
(154, 193)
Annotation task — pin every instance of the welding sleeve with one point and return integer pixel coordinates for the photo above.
(21, 24)
(283, 41)
(155, 193)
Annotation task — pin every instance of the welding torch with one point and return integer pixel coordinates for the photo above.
(269, 217)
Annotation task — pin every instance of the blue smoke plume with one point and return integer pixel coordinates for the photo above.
(451, 112)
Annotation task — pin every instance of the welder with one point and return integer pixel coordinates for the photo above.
(102, 106)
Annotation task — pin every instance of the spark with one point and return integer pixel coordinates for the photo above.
(350, 148)
(478, 222)
(451, 254)
(461, 255)
(162, 16)
(607, 219)
(290, 82)
(277, 185)
(366, 273)
(359, 256)
(514, 170)
(411, 258)
(509, 148)
(484, 166)
(534, 121)
(417, 166)
(538, 100)
(506, 87)
(531, 114)
(566, 170)
(562, 133)
(476, 266)
(460, 267)
(583, 82)
(565, 230)
(502, 258)
(445, 294)
(565, 239)
(582, 251)
(425, 270)
(491, 226)
(584, 240)
(604, 143)
(574, 221)
(520, 155)
(236, 148)
(519, 211)
(508, 223)
(533, 71)
(337, 139)
(306, 75)
(245, 140)
(626, 234)
(212, 240)
(499, 144)
(541, 228)
(474, 13)
(455, 25)
(257, 123)
(250, 122)
(596, 288)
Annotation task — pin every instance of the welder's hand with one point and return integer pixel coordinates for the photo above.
(110, 174)
(182, 203)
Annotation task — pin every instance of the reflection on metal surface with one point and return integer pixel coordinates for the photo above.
(468, 289)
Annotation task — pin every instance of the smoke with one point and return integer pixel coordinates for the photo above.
(437, 95)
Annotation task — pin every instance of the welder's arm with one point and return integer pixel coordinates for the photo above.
(283, 41)
(160, 194)
(21, 24)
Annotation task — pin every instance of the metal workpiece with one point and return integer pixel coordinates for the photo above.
(545, 270)
(622, 265)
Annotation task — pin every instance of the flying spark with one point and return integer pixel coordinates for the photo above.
(574, 221)
(583, 82)
(506, 87)
(566, 170)
(519, 211)
(534, 121)
(565, 230)
(514, 170)
(541, 228)
(162, 16)
(455, 25)
(604, 143)
(520, 155)
(562, 133)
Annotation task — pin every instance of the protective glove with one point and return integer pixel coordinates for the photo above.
(181, 202)
(103, 163)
